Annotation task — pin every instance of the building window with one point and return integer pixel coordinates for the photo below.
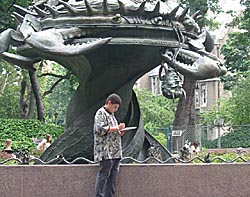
(160, 84)
(197, 99)
(154, 85)
(203, 100)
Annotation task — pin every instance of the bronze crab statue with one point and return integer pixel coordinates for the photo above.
(108, 45)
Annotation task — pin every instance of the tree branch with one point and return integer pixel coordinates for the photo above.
(53, 75)
(11, 5)
(67, 76)
(36, 90)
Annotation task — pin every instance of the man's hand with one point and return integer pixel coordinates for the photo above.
(121, 126)
(122, 133)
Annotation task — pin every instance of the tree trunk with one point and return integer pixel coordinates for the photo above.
(5, 79)
(37, 95)
(23, 104)
(192, 124)
(32, 103)
(185, 114)
(185, 104)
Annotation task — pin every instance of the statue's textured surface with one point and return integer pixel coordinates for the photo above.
(108, 45)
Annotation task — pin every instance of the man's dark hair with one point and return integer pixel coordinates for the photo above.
(115, 99)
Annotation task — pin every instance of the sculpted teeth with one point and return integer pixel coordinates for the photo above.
(80, 44)
(72, 35)
(183, 64)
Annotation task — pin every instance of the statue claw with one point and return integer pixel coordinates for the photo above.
(23, 62)
(198, 65)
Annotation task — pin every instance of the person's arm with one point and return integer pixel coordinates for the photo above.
(41, 145)
(101, 124)
(116, 128)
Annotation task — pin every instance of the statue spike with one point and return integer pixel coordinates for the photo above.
(141, 8)
(157, 9)
(90, 10)
(172, 14)
(22, 11)
(195, 15)
(183, 14)
(51, 10)
(122, 7)
(198, 18)
(19, 18)
(184, 93)
(71, 9)
(105, 9)
(173, 96)
(40, 12)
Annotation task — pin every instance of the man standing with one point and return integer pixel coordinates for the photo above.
(107, 146)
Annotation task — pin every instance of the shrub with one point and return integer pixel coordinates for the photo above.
(21, 132)
(238, 137)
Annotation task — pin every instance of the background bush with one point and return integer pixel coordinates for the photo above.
(238, 137)
(21, 132)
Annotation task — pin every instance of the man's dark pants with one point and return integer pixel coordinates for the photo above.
(106, 178)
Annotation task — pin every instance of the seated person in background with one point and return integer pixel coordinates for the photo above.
(195, 148)
(185, 152)
(8, 151)
(45, 143)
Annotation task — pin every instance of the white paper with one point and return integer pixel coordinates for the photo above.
(128, 128)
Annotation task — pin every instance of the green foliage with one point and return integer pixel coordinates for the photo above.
(9, 108)
(57, 101)
(239, 103)
(236, 109)
(226, 156)
(238, 137)
(160, 137)
(245, 22)
(223, 112)
(204, 6)
(6, 9)
(237, 48)
(157, 111)
(22, 131)
(236, 52)
(10, 85)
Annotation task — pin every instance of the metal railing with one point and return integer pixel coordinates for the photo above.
(27, 160)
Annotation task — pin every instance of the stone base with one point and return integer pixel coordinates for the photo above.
(135, 180)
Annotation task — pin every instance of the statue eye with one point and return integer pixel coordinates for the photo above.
(156, 20)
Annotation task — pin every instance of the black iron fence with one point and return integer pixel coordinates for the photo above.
(30, 160)
(233, 139)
